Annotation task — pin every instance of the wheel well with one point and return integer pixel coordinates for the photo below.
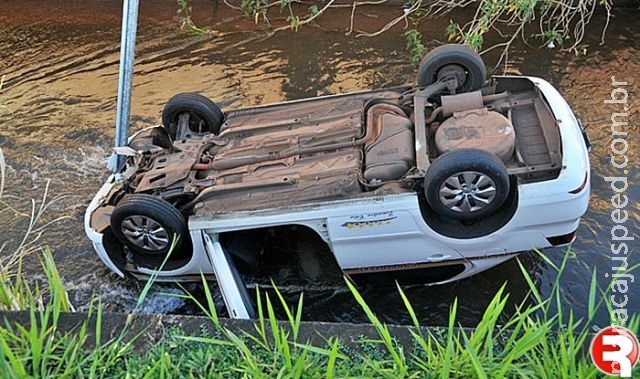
(118, 254)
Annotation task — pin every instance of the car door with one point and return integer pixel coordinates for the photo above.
(385, 237)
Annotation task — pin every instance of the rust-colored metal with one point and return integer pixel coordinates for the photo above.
(323, 148)
(372, 132)
(318, 169)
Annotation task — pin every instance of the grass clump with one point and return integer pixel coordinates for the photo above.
(38, 349)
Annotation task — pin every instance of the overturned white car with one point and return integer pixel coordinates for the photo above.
(446, 179)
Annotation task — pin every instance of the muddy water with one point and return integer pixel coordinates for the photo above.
(61, 60)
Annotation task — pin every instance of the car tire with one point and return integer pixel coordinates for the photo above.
(147, 225)
(456, 56)
(206, 116)
(466, 184)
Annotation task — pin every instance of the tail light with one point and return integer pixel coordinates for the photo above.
(584, 184)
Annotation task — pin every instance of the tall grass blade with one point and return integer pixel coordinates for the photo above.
(383, 331)
(409, 307)
(593, 288)
(3, 171)
(533, 289)
(147, 286)
(210, 309)
(294, 322)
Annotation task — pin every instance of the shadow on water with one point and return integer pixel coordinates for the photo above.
(61, 62)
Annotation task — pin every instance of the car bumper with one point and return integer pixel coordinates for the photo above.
(97, 238)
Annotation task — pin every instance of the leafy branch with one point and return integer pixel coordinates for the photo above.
(560, 23)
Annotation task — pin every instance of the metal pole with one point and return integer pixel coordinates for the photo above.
(127, 52)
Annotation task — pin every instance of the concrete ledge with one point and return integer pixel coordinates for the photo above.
(151, 328)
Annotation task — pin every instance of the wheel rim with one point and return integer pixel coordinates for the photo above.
(467, 192)
(145, 233)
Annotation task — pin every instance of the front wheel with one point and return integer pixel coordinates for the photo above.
(466, 184)
(148, 225)
(458, 60)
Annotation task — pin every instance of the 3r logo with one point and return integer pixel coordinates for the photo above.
(614, 350)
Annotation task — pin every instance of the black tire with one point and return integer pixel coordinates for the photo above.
(206, 116)
(154, 220)
(453, 55)
(466, 184)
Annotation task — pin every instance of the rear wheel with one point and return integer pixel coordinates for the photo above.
(466, 184)
(148, 225)
(204, 115)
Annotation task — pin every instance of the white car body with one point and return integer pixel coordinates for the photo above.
(385, 233)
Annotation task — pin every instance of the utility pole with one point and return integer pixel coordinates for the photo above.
(125, 78)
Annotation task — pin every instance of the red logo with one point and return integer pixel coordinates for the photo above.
(614, 350)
